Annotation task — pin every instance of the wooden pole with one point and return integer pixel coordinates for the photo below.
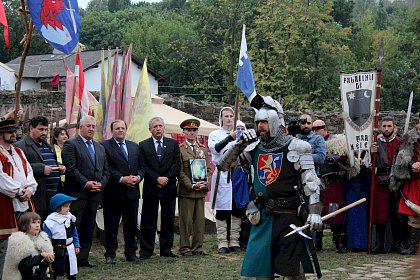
(375, 141)
(26, 41)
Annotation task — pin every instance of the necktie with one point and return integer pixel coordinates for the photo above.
(193, 148)
(123, 150)
(91, 151)
(159, 150)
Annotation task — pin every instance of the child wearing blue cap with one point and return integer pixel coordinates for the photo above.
(61, 229)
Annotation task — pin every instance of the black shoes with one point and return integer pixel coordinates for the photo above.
(110, 260)
(144, 257)
(169, 255)
(235, 249)
(132, 258)
(223, 250)
(86, 264)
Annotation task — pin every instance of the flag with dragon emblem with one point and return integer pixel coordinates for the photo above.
(57, 21)
(358, 91)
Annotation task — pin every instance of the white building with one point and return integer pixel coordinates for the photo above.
(39, 70)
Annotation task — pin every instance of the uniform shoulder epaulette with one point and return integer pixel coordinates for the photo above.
(201, 145)
(182, 144)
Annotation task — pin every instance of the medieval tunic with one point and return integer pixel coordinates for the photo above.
(224, 192)
(381, 200)
(15, 175)
(412, 187)
(268, 251)
(61, 229)
(333, 195)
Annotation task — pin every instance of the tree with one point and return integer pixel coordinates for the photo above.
(116, 5)
(342, 12)
(299, 53)
(97, 5)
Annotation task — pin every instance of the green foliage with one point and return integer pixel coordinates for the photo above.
(97, 5)
(117, 5)
(298, 48)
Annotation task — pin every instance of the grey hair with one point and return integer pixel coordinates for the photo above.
(156, 119)
(84, 119)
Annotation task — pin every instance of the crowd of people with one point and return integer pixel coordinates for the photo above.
(265, 179)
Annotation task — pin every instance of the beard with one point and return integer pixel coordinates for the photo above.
(387, 134)
(11, 140)
(305, 131)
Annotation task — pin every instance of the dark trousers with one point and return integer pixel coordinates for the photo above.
(113, 211)
(148, 223)
(85, 213)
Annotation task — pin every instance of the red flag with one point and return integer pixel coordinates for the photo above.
(55, 81)
(3, 21)
(82, 91)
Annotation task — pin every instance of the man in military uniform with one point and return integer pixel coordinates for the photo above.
(280, 161)
(191, 190)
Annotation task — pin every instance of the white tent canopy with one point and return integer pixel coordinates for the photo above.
(174, 117)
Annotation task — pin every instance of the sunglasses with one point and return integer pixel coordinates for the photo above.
(191, 129)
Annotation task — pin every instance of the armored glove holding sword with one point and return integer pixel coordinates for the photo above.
(283, 166)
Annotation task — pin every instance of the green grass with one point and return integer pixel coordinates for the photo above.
(214, 266)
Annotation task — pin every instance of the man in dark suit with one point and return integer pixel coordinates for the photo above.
(43, 160)
(160, 160)
(122, 193)
(86, 174)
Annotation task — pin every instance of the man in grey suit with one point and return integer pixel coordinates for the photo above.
(122, 194)
(86, 175)
(161, 161)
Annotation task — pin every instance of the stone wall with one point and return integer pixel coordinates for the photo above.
(52, 105)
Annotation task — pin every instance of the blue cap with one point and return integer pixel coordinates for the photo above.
(59, 199)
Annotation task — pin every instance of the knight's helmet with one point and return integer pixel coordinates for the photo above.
(270, 110)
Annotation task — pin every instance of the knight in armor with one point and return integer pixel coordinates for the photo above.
(333, 172)
(318, 154)
(405, 178)
(283, 166)
(232, 186)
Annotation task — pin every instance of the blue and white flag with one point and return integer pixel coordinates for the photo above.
(57, 21)
(245, 78)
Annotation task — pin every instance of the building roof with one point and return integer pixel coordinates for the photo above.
(48, 65)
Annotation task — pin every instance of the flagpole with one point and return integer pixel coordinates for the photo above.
(26, 41)
(375, 141)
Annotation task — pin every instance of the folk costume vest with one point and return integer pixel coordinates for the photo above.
(8, 223)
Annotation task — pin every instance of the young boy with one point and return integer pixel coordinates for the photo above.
(61, 229)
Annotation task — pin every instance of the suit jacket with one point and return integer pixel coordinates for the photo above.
(80, 168)
(185, 183)
(169, 166)
(32, 153)
(119, 167)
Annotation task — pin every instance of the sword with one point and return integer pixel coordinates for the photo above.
(326, 217)
(71, 10)
(411, 205)
(407, 119)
